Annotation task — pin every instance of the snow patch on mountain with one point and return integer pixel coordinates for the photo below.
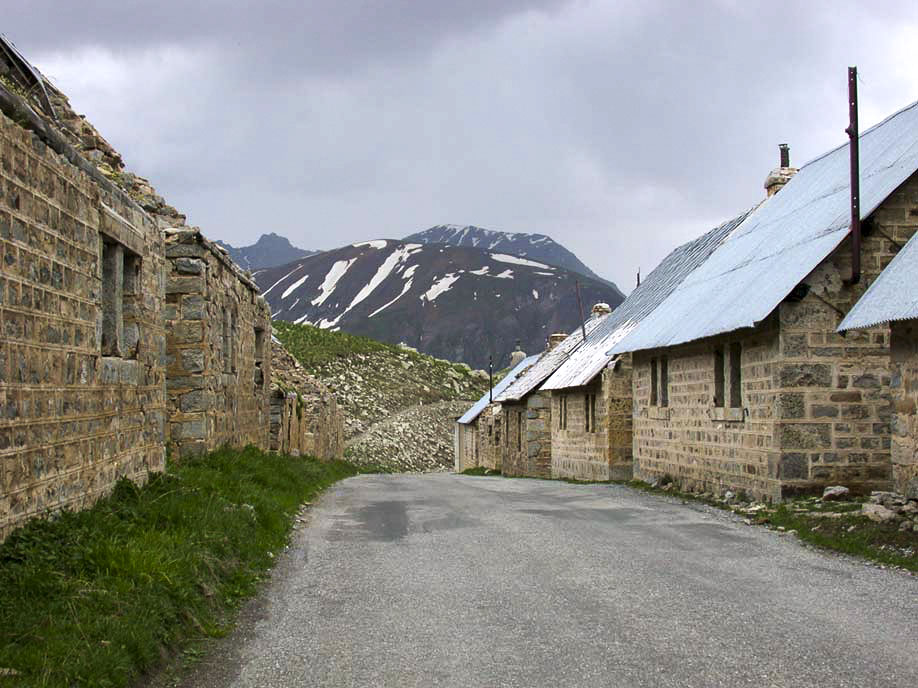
(289, 290)
(440, 286)
(506, 274)
(331, 280)
(504, 258)
(268, 290)
(376, 243)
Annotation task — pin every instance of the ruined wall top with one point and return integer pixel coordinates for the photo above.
(193, 235)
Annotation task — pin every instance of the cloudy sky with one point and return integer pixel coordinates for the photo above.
(619, 128)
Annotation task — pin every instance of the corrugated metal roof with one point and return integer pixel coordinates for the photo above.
(894, 294)
(782, 241)
(480, 405)
(548, 363)
(589, 360)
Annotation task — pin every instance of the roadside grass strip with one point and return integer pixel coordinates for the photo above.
(98, 597)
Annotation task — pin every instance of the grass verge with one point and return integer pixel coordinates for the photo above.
(480, 470)
(98, 597)
(835, 526)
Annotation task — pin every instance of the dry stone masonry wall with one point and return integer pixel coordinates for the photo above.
(305, 417)
(527, 437)
(219, 364)
(82, 349)
(905, 407)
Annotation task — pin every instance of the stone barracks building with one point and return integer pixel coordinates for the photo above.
(741, 381)
(893, 299)
(116, 339)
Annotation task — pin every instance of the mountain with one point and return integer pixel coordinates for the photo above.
(269, 251)
(455, 302)
(535, 246)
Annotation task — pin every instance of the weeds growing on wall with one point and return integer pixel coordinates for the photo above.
(95, 598)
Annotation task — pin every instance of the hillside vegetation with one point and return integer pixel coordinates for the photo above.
(399, 405)
(97, 597)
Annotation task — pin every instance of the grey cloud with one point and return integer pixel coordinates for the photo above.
(621, 129)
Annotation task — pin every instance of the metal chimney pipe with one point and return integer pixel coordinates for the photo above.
(853, 147)
(785, 155)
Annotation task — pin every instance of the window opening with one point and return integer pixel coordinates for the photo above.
(719, 377)
(736, 386)
(653, 382)
(664, 381)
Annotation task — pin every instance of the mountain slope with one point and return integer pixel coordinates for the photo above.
(399, 405)
(458, 303)
(269, 251)
(535, 246)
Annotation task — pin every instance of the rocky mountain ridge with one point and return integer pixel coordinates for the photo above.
(454, 302)
(538, 247)
(269, 251)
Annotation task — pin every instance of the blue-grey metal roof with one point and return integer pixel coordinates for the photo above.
(548, 363)
(588, 360)
(480, 405)
(894, 294)
(782, 241)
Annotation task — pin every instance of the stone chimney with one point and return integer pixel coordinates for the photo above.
(778, 177)
(555, 339)
(517, 356)
(600, 309)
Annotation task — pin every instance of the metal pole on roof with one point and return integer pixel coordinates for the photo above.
(853, 147)
(490, 378)
(580, 305)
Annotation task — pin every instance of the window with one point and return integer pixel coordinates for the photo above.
(120, 293)
(664, 381)
(653, 382)
(519, 430)
(562, 415)
(259, 356)
(229, 336)
(589, 412)
(736, 386)
(719, 398)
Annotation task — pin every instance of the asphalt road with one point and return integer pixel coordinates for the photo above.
(445, 580)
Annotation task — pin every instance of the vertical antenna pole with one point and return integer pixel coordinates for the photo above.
(854, 150)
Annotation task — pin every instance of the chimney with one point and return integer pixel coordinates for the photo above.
(555, 339)
(517, 356)
(600, 309)
(778, 177)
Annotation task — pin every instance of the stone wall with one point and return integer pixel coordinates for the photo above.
(467, 437)
(816, 404)
(305, 417)
(527, 437)
(603, 452)
(82, 343)
(490, 445)
(905, 410)
(218, 337)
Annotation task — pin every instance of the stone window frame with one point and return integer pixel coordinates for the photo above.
(589, 412)
(728, 383)
(659, 382)
(259, 375)
(121, 272)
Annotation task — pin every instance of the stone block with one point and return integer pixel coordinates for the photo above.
(187, 332)
(794, 466)
(193, 360)
(188, 266)
(806, 436)
(197, 400)
(185, 285)
(194, 307)
(823, 411)
(806, 375)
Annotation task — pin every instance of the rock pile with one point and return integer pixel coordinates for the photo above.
(886, 507)
(417, 439)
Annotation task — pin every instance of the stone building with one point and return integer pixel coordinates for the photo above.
(893, 299)
(305, 418)
(592, 390)
(740, 380)
(218, 330)
(115, 341)
(526, 413)
(478, 430)
(82, 346)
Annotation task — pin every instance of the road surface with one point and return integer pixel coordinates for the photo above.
(446, 580)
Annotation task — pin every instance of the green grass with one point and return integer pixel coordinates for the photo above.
(313, 347)
(97, 597)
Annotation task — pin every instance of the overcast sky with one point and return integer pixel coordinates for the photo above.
(618, 128)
